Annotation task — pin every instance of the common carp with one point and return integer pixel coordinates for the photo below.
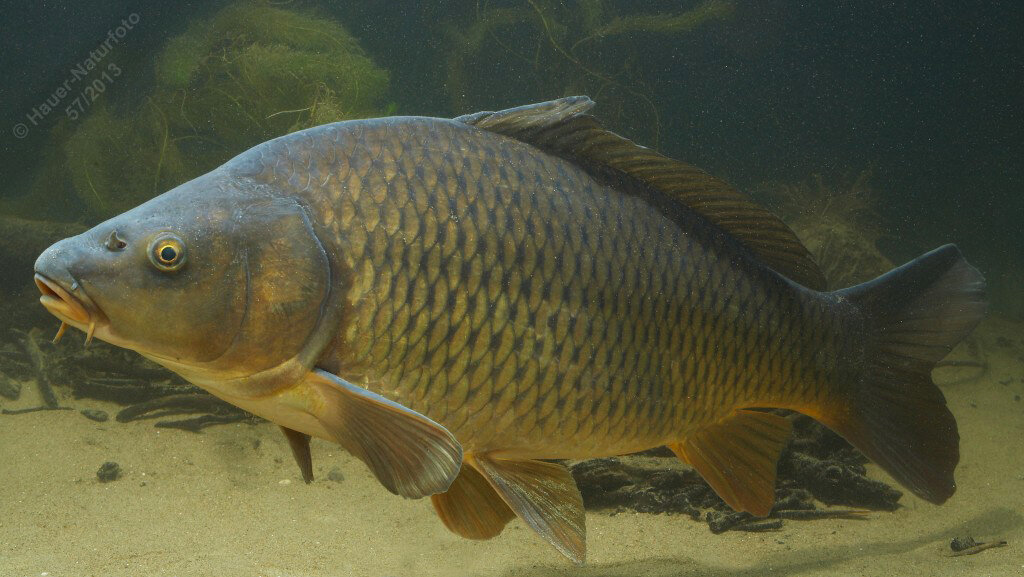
(458, 302)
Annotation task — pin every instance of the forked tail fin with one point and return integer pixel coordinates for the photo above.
(892, 411)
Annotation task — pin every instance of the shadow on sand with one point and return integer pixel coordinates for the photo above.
(782, 564)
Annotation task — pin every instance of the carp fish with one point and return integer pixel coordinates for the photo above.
(461, 303)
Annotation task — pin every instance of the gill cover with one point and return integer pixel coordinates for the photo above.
(286, 284)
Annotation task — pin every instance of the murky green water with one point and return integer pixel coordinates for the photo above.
(877, 132)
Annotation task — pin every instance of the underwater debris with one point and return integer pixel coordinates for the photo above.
(95, 415)
(9, 388)
(818, 466)
(128, 387)
(99, 372)
(815, 514)
(187, 402)
(33, 410)
(197, 424)
(657, 23)
(105, 373)
(16, 366)
(720, 522)
(839, 483)
(30, 341)
(109, 471)
(837, 222)
(642, 485)
(968, 546)
(335, 475)
(32, 358)
(217, 411)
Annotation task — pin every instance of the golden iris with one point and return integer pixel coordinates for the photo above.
(167, 252)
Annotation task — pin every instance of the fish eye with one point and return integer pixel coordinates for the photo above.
(167, 252)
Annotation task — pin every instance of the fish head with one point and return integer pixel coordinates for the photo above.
(219, 279)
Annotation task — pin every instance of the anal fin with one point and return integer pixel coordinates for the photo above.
(410, 454)
(472, 508)
(738, 457)
(299, 442)
(544, 495)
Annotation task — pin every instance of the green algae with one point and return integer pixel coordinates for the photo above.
(556, 48)
(249, 73)
(837, 222)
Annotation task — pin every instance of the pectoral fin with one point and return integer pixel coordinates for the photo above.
(544, 496)
(299, 442)
(410, 454)
(471, 508)
(738, 457)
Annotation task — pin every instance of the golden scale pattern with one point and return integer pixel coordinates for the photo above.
(525, 306)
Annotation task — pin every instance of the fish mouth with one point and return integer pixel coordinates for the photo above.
(71, 310)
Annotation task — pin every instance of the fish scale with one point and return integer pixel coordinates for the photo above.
(445, 352)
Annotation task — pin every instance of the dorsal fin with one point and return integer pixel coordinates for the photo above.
(562, 128)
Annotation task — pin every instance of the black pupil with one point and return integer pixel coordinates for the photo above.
(168, 254)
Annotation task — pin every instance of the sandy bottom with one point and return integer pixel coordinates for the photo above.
(229, 502)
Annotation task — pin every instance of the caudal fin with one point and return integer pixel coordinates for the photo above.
(892, 411)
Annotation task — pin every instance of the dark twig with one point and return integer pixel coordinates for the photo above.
(968, 546)
(760, 526)
(33, 410)
(35, 355)
(813, 514)
(172, 404)
(197, 424)
(722, 522)
(9, 387)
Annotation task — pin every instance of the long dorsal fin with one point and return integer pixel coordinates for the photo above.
(562, 128)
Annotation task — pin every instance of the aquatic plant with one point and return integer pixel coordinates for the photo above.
(560, 48)
(115, 162)
(838, 222)
(269, 69)
(251, 72)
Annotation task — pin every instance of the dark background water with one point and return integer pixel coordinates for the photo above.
(927, 95)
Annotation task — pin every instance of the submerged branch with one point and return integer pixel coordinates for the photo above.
(174, 404)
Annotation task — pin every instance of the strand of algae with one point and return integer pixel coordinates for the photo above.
(163, 149)
(661, 23)
(563, 61)
(609, 80)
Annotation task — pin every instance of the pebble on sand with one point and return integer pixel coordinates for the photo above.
(109, 471)
(95, 415)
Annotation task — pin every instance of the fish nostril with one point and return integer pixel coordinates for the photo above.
(114, 242)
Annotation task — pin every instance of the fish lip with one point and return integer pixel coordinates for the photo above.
(78, 312)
